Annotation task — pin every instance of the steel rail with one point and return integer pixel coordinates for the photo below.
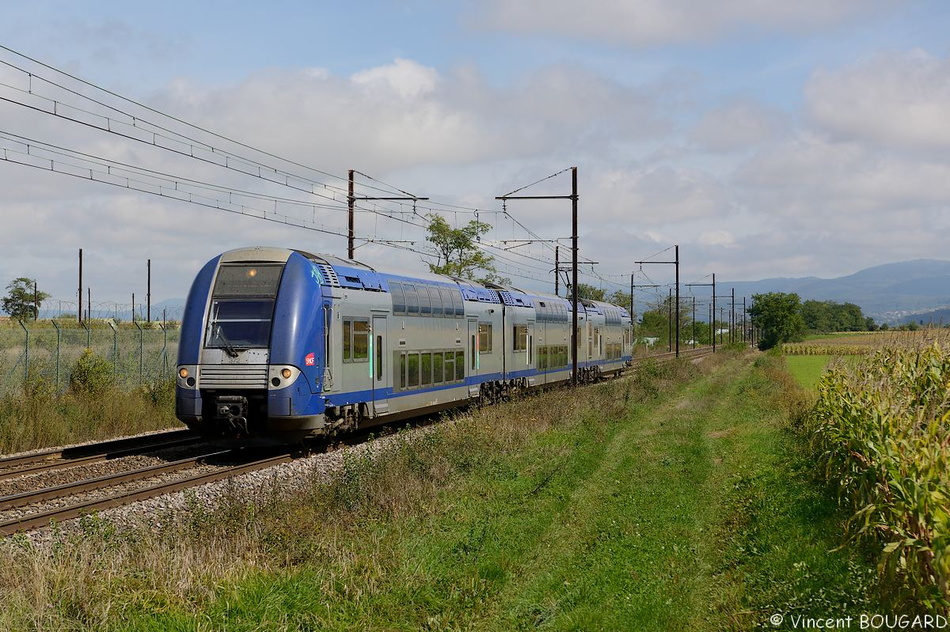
(101, 482)
(36, 521)
(92, 453)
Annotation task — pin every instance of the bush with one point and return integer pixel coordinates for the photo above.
(91, 374)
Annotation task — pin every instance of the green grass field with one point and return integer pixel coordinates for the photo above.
(807, 369)
(678, 499)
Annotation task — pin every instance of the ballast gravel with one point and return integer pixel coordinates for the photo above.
(169, 508)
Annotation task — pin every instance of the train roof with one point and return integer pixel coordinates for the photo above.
(350, 273)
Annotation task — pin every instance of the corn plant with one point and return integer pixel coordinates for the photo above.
(882, 429)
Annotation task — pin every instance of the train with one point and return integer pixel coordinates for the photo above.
(279, 345)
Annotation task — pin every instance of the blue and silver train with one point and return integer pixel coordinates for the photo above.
(278, 345)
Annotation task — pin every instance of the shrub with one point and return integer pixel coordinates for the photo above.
(91, 374)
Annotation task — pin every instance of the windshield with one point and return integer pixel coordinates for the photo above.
(240, 324)
(242, 306)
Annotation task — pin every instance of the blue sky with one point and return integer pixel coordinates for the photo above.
(765, 138)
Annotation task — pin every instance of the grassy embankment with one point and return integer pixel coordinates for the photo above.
(674, 500)
(91, 408)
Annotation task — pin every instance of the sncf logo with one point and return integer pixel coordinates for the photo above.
(310, 360)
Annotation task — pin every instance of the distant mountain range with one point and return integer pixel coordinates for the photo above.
(893, 293)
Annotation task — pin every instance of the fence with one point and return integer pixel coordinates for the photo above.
(48, 350)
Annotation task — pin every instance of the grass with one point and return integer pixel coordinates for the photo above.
(807, 369)
(42, 417)
(677, 499)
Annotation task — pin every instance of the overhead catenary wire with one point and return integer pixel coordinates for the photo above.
(120, 120)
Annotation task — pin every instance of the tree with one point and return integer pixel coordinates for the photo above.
(23, 301)
(620, 298)
(590, 293)
(457, 250)
(826, 316)
(779, 317)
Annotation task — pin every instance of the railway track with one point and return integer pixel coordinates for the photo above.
(57, 485)
(20, 465)
(698, 352)
(104, 497)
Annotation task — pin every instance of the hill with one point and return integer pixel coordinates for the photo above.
(890, 293)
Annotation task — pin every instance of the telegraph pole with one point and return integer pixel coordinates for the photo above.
(573, 198)
(675, 262)
(148, 295)
(633, 320)
(79, 312)
(712, 309)
(351, 208)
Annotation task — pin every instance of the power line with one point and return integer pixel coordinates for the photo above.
(120, 121)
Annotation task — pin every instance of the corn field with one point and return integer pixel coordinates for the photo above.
(882, 428)
(865, 342)
(808, 349)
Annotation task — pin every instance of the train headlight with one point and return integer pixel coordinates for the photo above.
(282, 376)
(187, 376)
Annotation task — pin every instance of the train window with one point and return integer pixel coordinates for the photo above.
(379, 358)
(412, 299)
(347, 340)
(399, 298)
(459, 365)
(530, 350)
(438, 371)
(426, 366)
(355, 340)
(247, 279)
(412, 370)
(484, 337)
(449, 366)
(457, 302)
(436, 299)
(360, 340)
(448, 306)
(240, 324)
(519, 338)
(425, 305)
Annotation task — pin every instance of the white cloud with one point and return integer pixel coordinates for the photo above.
(740, 125)
(653, 22)
(659, 196)
(900, 99)
(404, 77)
(722, 238)
(815, 172)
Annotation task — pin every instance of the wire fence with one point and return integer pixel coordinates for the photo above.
(47, 351)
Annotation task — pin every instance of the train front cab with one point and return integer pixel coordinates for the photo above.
(251, 348)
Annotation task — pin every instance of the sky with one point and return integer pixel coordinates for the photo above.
(765, 138)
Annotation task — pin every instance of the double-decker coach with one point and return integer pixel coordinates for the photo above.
(280, 344)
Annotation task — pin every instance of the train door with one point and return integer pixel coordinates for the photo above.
(529, 348)
(472, 369)
(380, 366)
